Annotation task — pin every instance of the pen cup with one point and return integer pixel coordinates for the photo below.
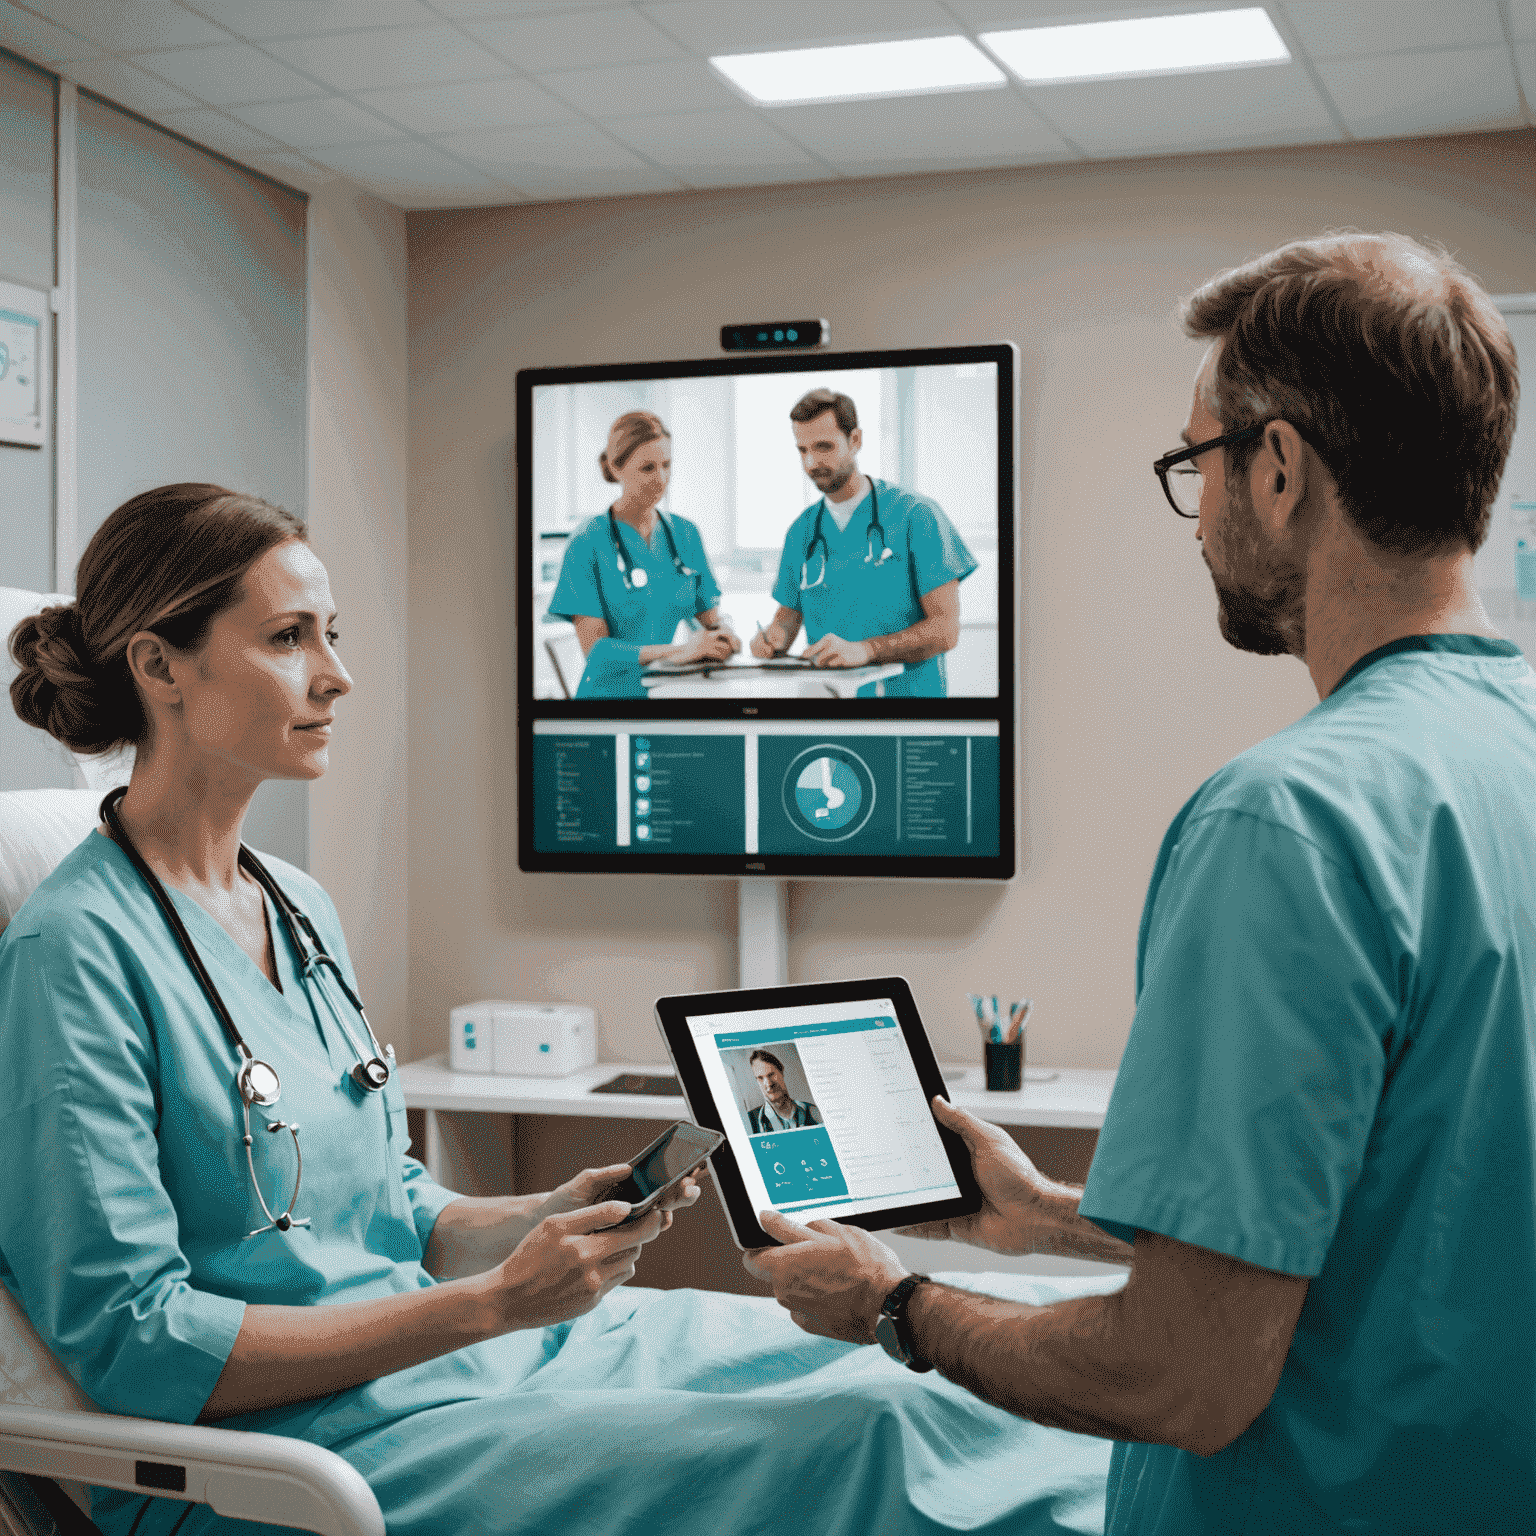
(1005, 1064)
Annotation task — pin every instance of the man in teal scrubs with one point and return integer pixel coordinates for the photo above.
(1320, 1155)
(872, 570)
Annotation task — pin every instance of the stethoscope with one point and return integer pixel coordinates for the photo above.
(635, 575)
(818, 537)
(256, 1082)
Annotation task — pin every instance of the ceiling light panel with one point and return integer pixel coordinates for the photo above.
(1146, 45)
(859, 71)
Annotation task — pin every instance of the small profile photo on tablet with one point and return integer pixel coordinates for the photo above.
(769, 1085)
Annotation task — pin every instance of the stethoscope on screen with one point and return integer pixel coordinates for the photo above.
(818, 537)
(635, 575)
(256, 1082)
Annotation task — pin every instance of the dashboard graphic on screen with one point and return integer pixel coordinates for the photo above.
(765, 615)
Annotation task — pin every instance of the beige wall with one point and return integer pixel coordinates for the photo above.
(1129, 698)
(357, 425)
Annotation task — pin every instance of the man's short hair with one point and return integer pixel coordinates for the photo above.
(1390, 360)
(810, 406)
(765, 1056)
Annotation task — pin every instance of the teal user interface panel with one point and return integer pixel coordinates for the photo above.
(902, 792)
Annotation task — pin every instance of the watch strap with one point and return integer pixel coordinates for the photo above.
(893, 1314)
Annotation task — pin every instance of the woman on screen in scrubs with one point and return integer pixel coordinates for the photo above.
(633, 572)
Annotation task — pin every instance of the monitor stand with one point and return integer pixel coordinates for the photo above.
(762, 928)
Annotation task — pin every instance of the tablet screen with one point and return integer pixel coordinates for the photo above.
(829, 1118)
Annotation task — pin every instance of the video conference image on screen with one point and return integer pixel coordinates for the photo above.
(822, 533)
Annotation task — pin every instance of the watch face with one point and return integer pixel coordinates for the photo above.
(890, 1340)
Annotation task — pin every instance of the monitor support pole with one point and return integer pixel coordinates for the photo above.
(762, 926)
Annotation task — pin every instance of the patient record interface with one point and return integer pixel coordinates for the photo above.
(913, 789)
(829, 1118)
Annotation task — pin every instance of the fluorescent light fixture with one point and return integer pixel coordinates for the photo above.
(853, 71)
(1148, 45)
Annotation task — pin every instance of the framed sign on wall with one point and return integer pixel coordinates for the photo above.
(25, 343)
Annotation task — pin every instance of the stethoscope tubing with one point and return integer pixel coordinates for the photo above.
(627, 568)
(818, 537)
(370, 1074)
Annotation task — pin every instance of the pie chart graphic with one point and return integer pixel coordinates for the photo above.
(829, 792)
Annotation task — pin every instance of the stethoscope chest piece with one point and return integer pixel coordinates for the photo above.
(259, 1083)
(371, 1075)
(637, 577)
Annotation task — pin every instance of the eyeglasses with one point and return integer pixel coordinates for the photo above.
(1180, 476)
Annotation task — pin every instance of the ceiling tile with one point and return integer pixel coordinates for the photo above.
(1191, 113)
(469, 104)
(577, 40)
(480, 10)
(413, 175)
(1525, 62)
(128, 86)
(718, 148)
(204, 126)
(373, 61)
(680, 85)
(130, 26)
(1331, 31)
(322, 122)
(290, 169)
(1522, 20)
(1404, 94)
(565, 161)
(229, 73)
(999, 14)
(748, 26)
(932, 132)
(42, 41)
(263, 19)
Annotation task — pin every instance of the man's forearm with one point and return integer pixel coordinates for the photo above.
(928, 637)
(1068, 1366)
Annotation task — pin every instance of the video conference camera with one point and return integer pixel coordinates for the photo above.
(775, 335)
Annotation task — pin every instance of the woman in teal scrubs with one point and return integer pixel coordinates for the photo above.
(477, 1360)
(632, 573)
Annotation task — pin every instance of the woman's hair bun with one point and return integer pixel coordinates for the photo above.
(55, 687)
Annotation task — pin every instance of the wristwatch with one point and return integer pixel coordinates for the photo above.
(892, 1329)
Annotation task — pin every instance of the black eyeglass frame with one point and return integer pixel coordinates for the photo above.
(1227, 440)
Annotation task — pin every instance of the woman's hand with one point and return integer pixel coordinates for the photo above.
(593, 1184)
(707, 645)
(567, 1264)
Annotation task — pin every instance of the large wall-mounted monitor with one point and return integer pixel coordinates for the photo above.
(879, 527)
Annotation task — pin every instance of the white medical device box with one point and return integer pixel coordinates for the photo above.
(522, 1039)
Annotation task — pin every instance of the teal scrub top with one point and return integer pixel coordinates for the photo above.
(123, 1127)
(591, 583)
(1332, 1073)
(861, 599)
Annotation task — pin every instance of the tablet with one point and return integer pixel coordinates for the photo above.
(823, 1094)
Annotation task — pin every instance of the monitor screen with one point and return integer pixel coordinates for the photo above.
(766, 615)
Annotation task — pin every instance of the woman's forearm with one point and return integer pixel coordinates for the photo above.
(291, 1354)
(473, 1235)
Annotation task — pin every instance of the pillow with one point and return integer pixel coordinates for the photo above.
(38, 827)
(100, 773)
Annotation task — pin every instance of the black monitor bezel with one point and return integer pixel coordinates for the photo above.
(815, 713)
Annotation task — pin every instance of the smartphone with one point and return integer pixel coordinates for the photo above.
(667, 1161)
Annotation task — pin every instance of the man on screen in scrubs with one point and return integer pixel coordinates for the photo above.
(1320, 1155)
(872, 570)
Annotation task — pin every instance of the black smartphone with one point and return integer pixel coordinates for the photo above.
(667, 1161)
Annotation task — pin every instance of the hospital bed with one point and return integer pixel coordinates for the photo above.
(48, 1428)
